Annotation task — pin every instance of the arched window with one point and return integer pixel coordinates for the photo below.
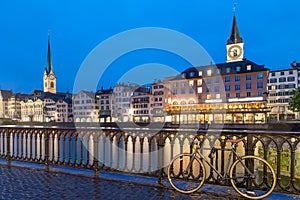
(52, 85)
(175, 103)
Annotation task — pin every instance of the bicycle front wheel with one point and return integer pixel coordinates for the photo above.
(185, 174)
(252, 177)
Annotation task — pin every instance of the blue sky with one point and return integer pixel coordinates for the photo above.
(270, 30)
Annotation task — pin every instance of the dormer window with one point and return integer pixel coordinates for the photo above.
(183, 75)
(192, 74)
(228, 70)
(200, 73)
(208, 72)
(238, 68)
(249, 67)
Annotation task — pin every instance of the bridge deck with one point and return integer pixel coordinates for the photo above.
(33, 183)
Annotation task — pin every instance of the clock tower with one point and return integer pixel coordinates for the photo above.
(235, 44)
(49, 78)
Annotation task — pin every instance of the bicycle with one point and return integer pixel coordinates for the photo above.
(245, 172)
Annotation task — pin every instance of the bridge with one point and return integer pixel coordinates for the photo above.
(136, 156)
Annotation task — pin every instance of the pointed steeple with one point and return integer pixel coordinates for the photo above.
(234, 35)
(49, 67)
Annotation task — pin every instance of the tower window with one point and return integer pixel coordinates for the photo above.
(52, 85)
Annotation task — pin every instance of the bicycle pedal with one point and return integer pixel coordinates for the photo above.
(251, 193)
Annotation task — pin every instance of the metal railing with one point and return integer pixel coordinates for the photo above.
(146, 151)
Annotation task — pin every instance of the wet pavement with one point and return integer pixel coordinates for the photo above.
(33, 183)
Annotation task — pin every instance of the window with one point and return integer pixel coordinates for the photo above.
(208, 72)
(227, 88)
(248, 86)
(237, 95)
(228, 69)
(227, 95)
(182, 90)
(281, 86)
(273, 80)
(208, 88)
(281, 73)
(273, 87)
(218, 96)
(192, 74)
(199, 90)
(291, 72)
(52, 85)
(237, 78)
(290, 79)
(183, 75)
(191, 91)
(282, 79)
(200, 73)
(237, 87)
(238, 68)
(217, 80)
(208, 81)
(217, 89)
(249, 67)
(175, 91)
(199, 82)
(227, 79)
(248, 94)
(260, 85)
(191, 83)
(208, 96)
(259, 94)
(248, 77)
(260, 76)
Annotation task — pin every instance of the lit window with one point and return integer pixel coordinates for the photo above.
(199, 82)
(218, 96)
(199, 90)
(249, 67)
(208, 96)
(191, 83)
(200, 73)
(209, 72)
(273, 87)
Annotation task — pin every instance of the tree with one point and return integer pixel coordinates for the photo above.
(294, 104)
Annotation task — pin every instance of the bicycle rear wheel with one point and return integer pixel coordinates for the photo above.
(183, 178)
(259, 183)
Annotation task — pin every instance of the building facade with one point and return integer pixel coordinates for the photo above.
(85, 107)
(233, 92)
(281, 84)
(141, 103)
(106, 102)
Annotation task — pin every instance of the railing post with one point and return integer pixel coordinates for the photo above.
(47, 168)
(8, 157)
(160, 144)
(249, 151)
(96, 156)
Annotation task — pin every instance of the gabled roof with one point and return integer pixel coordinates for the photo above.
(221, 69)
(234, 34)
(6, 94)
(88, 93)
(102, 91)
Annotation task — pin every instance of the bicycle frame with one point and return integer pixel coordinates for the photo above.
(232, 152)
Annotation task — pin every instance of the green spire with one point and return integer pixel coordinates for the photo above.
(49, 67)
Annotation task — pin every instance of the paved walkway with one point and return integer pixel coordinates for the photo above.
(28, 183)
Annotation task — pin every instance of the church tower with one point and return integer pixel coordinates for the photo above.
(49, 77)
(235, 44)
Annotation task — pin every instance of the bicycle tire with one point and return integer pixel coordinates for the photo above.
(190, 181)
(242, 182)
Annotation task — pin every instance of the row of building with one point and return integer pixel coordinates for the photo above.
(237, 91)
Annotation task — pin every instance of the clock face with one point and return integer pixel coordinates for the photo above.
(51, 76)
(235, 51)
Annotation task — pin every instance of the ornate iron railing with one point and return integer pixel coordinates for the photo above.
(147, 151)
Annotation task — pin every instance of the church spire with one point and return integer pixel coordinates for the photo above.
(234, 35)
(49, 67)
